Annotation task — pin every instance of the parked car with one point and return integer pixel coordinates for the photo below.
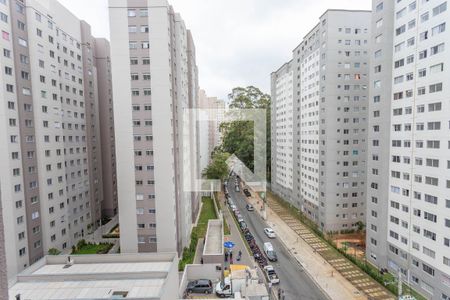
(271, 275)
(203, 286)
(269, 232)
(270, 252)
(249, 207)
(247, 193)
(243, 225)
(240, 219)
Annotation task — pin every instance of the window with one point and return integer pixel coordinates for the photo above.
(440, 9)
(437, 68)
(131, 13)
(144, 28)
(437, 49)
(400, 30)
(4, 17)
(434, 88)
(5, 35)
(379, 7)
(429, 234)
(133, 45)
(132, 29)
(438, 29)
(423, 54)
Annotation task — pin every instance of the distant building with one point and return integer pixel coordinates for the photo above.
(210, 135)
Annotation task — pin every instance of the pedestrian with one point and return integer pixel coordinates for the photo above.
(201, 260)
(231, 255)
(231, 260)
(226, 256)
(282, 295)
(279, 293)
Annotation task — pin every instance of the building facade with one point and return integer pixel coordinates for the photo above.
(106, 119)
(330, 71)
(3, 266)
(52, 190)
(417, 208)
(379, 130)
(152, 74)
(282, 114)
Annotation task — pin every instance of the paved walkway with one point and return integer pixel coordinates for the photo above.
(235, 236)
(338, 277)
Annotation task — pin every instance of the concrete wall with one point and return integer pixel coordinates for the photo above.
(194, 272)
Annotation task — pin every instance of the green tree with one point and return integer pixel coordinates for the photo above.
(238, 136)
(218, 168)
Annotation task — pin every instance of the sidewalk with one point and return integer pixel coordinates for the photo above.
(310, 252)
(235, 236)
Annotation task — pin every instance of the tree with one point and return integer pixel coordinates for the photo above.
(238, 136)
(218, 168)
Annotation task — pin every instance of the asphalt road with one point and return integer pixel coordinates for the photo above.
(295, 283)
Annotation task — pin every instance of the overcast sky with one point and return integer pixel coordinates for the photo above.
(239, 42)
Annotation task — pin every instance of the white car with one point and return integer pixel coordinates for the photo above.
(271, 275)
(269, 232)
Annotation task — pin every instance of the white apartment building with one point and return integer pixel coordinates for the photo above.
(282, 143)
(417, 207)
(51, 182)
(330, 79)
(153, 75)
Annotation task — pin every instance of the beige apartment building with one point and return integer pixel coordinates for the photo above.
(154, 75)
(51, 181)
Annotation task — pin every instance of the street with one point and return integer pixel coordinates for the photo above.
(295, 283)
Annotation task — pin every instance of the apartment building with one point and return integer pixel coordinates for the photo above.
(210, 136)
(379, 130)
(417, 208)
(152, 74)
(106, 119)
(282, 131)
(52, 179)
(330, 90)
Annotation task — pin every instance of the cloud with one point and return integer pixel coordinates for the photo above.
(239, 42)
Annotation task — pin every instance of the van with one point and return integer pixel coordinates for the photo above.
(270, 252)
(200, 286)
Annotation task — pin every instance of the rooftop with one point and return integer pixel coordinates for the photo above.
(137, 276)
(214, 238)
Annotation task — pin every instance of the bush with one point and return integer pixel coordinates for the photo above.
(53, 251)
(81, 244)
